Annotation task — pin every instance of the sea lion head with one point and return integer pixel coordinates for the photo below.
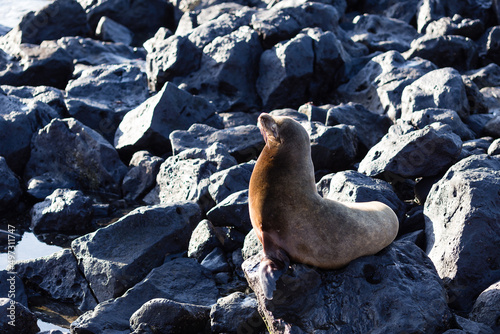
(280, 132)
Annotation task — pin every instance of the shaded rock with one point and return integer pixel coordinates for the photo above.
(186, 176)
(236, 313)
(231, 180)
(402, 10)
(16, 318)
(230, 237)
(381, 33)
(413, 221)
(252, 246)
(314, 113)
(181, 280)
(10, 189)
(285, 19)
(216, 261)
(243, 142)
(169, 57)
(69, 150)
(456, 25)
(141, 176)
(441, 88)
(487, 76)
(419, 153)
(489, 48)
(99, 96)
(351, 186)
(422, 118)
(236, 118)
(485, 309)
(232, 211)
(490, 98)
(477, 122)
(494, 148)
(64, 211)
(203, 240)
(479, 102)
(370, 127)
(309, 299)
(109, 30)
(58, 277)
(378, 86)
(12, 285)
(59, 18)
(227, 73)
(167, 316)
(461, 219)
(477, 146)
(469, 326)
(51, 96)
(42, 186)
(142, 17)
(113, 259)
(149, 125)
(445, 51)
(492, 128)
(332, 147)
(323, 185)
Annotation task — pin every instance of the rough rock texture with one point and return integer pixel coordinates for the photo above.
(232, 211)
(64, 211)
(10, 189)
(168, 316)
(141, 176)
(485, 309)
(149, 125)
(136, 243)
(181, 280)
(425, 152)
(230, 180)
(494, 148)
(236, 313)
(203, 240)
(461, 214)
(356, 299)
(23, 321)
(58, 277)
(69, 150)
(109, 30)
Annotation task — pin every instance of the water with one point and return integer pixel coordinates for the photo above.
(11, 11)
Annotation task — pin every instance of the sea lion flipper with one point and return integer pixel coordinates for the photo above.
(270, 271)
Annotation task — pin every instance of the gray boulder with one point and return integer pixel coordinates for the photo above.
(456, 25)
(231, 180)
(425, 152)
(42, 186)
(113, 260)
(243, 142)
(441, 88)
(148, 126)
(309, 299)
(251, 246)
(461, 217)
(236, 313)
(168, 316)
(64, 211)
(485, 309)
(381, 33)
(351, 186)
(99, 96)
(370, 127)
(314, 113)
(51, 96)
(109, 30)
(216, 262)
(10, 189)
(378, 86)
(141, 176)
(489, 51)
(488, 76)
(232, 211)
(333, 148)
(181, 280)
(186, 176)
(58, 277)
(16, 318)
(203, 240)
(477, 146)
(69, 150)
(494, 148)
(402, 10)
(492, 128)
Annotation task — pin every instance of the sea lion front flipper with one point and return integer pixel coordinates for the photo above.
(271, 268)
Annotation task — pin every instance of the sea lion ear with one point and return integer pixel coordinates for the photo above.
(274, 129)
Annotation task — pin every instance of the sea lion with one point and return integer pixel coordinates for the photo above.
(293, 222)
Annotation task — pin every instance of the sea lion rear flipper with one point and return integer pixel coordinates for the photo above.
(271, 270)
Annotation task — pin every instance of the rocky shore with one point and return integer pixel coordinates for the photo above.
(128, 136)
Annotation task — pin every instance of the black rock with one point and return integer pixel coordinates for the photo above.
(141, 176)
(168, 316)
(66, 149)
(441, 88)
(477, 146)
(456, 25)
(309, 299)
(487, 76)
(120, 255)
(351, 186)
(477, 123)
(243, 142)
(203, 240)
(492, 128)
(216, 261)
(236, 313)
(12, 287)
(461, 216)
(402, 10)
(10, 189)
(148, 126)
(16, 318)
(494, 148)
(425, 152)
(232, 211)
(42, 186)
(181, 280)
(99, 96)
(64, 211)
(109, 30)
(370, 127)
(252, 246)
(485, 309)
(489, 48)
(58, 277)
(231, 180)
(314, 113)
(51, 96)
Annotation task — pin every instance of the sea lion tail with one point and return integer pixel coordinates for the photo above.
(270, 272)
